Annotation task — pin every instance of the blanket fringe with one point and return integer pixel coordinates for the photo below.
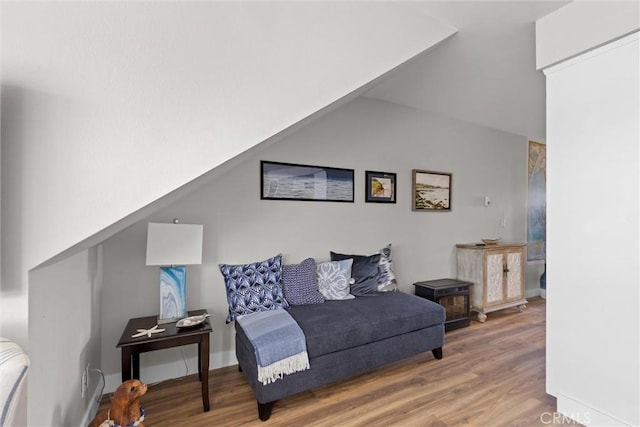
(296, 363)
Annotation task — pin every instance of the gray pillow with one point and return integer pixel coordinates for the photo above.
(334, 279)
(364, 271)
(300, 284)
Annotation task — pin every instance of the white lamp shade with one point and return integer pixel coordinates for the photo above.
(174, 244)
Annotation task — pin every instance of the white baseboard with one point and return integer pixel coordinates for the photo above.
(154, 374)
(585, 414)
(92, 409)
(532, 293)
(176, 369)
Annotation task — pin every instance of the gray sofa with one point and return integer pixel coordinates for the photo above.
(350, 337)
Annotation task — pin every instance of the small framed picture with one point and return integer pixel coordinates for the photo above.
(380, 187)
(431, 191)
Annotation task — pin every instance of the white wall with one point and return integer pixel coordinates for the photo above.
(159, 93)
(593, 256)
(239, 227)
(64, 337)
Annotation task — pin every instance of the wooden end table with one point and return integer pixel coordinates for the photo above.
(453, 295)
(171, 337)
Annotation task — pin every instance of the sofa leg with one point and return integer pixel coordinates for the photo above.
(239, 368)
(437, 353)
(264, 410)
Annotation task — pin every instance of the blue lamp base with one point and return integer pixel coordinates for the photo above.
(173, 294)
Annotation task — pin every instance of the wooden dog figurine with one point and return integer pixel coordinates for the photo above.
(125, 410)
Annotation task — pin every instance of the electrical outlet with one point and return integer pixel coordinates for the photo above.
(84, 384)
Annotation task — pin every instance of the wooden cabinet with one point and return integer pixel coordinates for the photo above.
(498, 275)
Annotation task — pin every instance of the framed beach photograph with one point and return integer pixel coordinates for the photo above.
(380, 187)
(288, 181)
(431, 191)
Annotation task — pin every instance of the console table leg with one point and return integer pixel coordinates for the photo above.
(126, 363)
(200, 361)
(136, 366)
(204, 369)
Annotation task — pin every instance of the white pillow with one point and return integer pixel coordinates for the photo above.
(334, 279)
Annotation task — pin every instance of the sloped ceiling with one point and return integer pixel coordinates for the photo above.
(484, 74)
(122, 104)
(109, 107)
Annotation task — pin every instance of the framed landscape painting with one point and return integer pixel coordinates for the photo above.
(380, 187)
(288, 181)
(431, 191)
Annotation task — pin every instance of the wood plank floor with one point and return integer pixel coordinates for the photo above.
(492, 374)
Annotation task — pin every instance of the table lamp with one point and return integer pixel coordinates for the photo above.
(173, 246)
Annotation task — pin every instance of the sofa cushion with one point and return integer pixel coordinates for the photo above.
(300, 283)
(334, 279)
(253, 287)
(364, 271)
(339, 325)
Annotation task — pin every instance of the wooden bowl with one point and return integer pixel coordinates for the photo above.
(491, 241)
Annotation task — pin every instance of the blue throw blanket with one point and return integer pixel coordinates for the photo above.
(278, 342)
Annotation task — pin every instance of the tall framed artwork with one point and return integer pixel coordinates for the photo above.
(537, 202)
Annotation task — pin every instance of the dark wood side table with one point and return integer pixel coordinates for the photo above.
(171, 337)
(453, 295)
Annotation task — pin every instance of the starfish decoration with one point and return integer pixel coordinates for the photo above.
(147, 332)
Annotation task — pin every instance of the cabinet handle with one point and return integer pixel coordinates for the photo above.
(505, 269)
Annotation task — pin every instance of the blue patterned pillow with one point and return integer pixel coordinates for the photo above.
(253, 287)
(300, 284)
